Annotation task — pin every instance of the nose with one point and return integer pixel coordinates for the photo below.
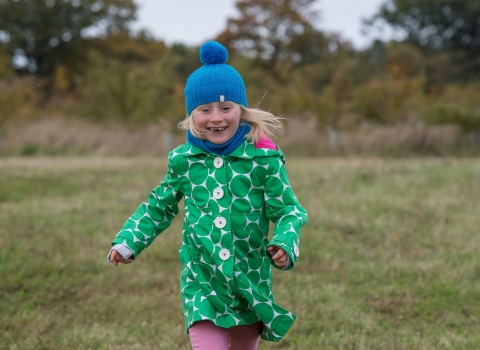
(216, 116)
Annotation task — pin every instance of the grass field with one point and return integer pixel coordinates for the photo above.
(389, 258)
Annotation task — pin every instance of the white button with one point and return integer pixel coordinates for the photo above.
(217, 193)
(224, 254)
(220, 222)
(295, 250)
(218, 162)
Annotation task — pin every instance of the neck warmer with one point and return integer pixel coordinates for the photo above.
(223, 149)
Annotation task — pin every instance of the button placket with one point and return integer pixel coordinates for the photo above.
(218, 162)
(218, 193)
(224, 254)
(220, 222)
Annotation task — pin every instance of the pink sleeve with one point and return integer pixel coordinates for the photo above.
(265, 142)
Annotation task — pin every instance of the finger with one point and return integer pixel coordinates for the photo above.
(280, 253)
(113, 257)
(272, 250)
(125, 261)
(272, 253)
(281, 263)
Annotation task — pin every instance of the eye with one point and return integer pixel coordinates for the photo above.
(205, 110)
(226, 108)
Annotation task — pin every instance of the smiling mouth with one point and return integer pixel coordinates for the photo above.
(217, 129)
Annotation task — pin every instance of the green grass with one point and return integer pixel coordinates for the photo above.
(389, 258)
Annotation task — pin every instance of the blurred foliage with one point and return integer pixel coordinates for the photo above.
(437, 26)
(18, 99)
(289, 66)
(277, 34)
(458, 105)
(132, 92)
(124, 47)
(6, 70)
(44, 34)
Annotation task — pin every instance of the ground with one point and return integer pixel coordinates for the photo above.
(388, 260)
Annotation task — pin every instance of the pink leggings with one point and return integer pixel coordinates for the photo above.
(204, 335)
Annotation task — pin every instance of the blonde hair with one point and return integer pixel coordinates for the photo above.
(262, 123)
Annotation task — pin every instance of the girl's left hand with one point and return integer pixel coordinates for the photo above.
(279, 256)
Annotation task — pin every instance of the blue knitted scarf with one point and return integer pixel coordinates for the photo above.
(223, 149)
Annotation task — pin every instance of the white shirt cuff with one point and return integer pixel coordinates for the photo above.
(123, 250)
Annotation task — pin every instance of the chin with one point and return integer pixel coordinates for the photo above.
(218, 142)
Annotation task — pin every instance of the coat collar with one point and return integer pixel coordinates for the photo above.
(246, 150)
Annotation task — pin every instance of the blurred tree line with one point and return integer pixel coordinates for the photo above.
(61, 58)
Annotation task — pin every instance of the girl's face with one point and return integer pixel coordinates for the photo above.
(217, 121)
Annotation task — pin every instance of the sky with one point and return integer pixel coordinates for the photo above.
(192, 22)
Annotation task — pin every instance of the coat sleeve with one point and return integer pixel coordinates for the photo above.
(152, 217)
(284, 210)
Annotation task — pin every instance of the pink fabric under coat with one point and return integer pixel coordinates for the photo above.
(204, 335)
(265, 142)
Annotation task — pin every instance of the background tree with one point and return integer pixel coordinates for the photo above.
(6, 70)
(277, 34)
(437, 26)
(331, 107)
(458, 105)
(41, 35)
(128, 48)
(18, 99)
(387, 98)
(134, 88)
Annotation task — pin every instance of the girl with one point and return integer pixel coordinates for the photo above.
(234, 183)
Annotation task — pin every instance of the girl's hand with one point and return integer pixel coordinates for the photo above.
(116, 258)
(279, 256)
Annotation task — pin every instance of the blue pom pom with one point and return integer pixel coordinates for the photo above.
(213, 53)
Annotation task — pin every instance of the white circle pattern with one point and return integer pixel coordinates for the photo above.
(229, 204)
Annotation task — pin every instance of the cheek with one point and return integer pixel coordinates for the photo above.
(234, 118)
(198, 120)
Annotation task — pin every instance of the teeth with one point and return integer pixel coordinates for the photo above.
(217, 129)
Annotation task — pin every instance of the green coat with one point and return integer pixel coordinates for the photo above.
(229, 203)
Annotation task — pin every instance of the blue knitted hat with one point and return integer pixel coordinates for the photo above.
(215, 81)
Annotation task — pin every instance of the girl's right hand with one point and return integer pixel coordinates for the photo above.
(116, 257)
